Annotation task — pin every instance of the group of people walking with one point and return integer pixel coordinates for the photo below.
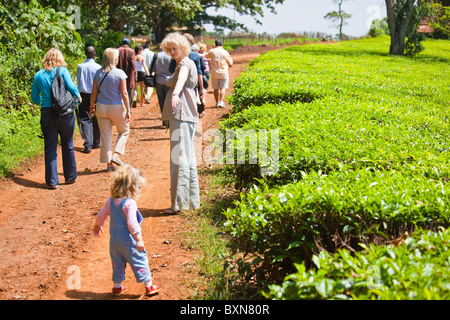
(184, 70)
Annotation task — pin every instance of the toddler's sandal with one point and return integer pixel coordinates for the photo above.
(119, 291)
(153, 289)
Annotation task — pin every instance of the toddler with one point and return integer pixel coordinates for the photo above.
(126, 243)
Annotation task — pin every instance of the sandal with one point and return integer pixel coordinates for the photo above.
(119, 291)
(153, 289)
(171, 211)
(117, 161)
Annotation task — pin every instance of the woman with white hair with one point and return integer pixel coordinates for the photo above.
(110, 103)
(180, 109)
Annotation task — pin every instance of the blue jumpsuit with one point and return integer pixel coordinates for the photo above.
(122, 247)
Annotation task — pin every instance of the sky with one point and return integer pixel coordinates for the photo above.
(307, 15)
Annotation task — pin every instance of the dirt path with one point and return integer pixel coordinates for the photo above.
(46, 245)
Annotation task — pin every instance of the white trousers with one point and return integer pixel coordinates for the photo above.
(107, 116)
(185, 192)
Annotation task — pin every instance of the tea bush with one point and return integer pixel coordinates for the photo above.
(338, 134)
(415, 268)
(284, 225)
(363, 151)
(363, 107)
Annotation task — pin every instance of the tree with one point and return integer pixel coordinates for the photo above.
(164, 15)
(338, 17)
(403, 18)
(135, 17)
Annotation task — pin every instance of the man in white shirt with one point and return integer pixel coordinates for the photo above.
(220, 62)
(148, 57)
(88, 126)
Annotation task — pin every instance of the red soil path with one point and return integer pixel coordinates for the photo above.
(46, 235)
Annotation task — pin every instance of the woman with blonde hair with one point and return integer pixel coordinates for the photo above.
(53, 126)
(110, 104)
(180, 109)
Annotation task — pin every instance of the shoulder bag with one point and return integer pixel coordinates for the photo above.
(150, 80)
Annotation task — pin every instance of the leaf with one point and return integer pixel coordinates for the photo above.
(325, 287)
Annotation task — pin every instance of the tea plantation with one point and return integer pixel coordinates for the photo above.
(364, 156)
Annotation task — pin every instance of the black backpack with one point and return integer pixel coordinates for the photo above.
(63, 102)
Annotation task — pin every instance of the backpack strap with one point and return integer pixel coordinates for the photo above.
(103, 80)
(57, 73)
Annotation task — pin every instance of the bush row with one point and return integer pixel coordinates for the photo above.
(337, 134)
(363, 151)
(363, 108)
(415, 267)
(286, 224)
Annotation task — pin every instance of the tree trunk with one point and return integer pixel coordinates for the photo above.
(397, 43)
(398, 26)
(115, 21)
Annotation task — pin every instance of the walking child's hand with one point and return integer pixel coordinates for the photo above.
(97, 231)
(140, 245)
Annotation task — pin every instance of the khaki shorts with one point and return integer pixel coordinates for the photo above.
(219, 83)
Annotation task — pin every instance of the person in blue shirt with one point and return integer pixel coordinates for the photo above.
(52, 126)
(88, 125)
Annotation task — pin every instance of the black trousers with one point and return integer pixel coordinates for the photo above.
(88, 126)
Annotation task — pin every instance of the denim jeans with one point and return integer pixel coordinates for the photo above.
(122, 247)
(53, 127)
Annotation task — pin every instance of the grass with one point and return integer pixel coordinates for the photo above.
(204, 236)
(20, 138)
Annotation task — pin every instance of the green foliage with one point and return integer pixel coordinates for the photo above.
(415, 269)
(440, 21)
(342, 107)
(19, 136)
(27, 32)
(363, 159)
(104, 40)
(378, 28)
(326, 212)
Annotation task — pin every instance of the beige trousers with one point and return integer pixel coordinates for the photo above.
(107, 117)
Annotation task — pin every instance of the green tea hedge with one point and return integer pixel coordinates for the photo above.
(347, 106)
(416, 268)
(327, 212)
(363, 151)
